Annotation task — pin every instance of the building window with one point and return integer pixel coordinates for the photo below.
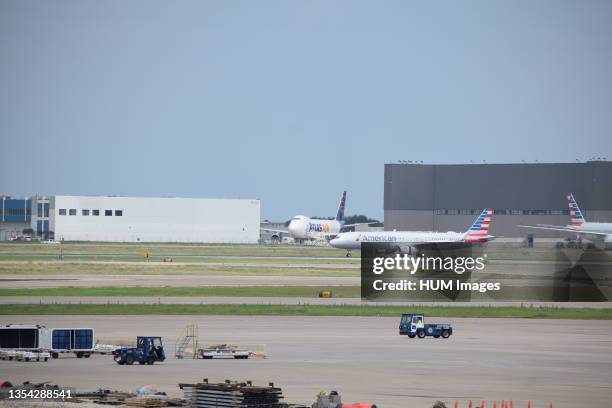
(62, 211)
(118, 213)
(95, 213)
(84, 213)
(72, 211)
(108, 213)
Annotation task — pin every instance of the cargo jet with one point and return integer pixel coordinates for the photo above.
(597, 232)
(419, 240)
(303, 228)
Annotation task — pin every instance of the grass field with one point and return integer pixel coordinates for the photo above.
(209, 291)
(159, 250)
(50, 268)
(306, 310)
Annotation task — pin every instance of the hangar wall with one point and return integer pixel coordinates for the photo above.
(147, 219)
(448, 197)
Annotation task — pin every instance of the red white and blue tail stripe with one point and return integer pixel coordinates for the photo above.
(576, 217)
(479, 231)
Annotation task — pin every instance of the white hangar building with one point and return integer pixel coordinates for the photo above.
(146, 219)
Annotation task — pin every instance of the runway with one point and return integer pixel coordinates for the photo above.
(364, 358)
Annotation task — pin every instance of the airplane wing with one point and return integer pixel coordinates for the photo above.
(564, 229)
(425, 247)
(361, 223)
(275, 230)
(441, 245)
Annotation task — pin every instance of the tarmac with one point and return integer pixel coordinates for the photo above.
(248, 300)
(92, 280)
(567, 362)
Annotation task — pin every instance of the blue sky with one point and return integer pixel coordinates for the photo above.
(293, 101)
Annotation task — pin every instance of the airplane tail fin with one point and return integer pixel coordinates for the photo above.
(479, 231)
(340, 213)
(576, 217)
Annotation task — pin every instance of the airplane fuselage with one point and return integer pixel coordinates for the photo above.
(353, 240)
(604, 230)
(604, 227)
(302, 227)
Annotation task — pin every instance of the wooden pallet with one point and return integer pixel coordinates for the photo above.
(147, 402)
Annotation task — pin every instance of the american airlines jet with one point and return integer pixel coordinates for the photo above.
(598, 232)
(303, 228)
(420, 240)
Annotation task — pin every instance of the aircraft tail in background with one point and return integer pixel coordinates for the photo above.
(340, 213)
(576, 217)
(479, 231)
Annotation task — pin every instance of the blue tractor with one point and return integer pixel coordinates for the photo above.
(148, 350)
(413, 325)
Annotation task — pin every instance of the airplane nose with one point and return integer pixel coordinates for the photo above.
(336, 242)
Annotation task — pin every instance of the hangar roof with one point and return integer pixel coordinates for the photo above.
(503, 186)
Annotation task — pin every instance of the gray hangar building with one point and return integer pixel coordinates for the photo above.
(448, 197)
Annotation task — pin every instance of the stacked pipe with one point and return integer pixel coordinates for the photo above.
(231, 395)
(502, 404)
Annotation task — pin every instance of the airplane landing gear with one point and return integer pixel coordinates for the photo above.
(348, 254)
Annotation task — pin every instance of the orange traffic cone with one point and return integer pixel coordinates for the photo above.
(494, 404)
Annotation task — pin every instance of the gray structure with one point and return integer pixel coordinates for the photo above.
(448, 197)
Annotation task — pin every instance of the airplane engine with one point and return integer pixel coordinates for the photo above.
(410, 250)
(608, 242)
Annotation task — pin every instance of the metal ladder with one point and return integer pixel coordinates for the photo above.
(187, 342)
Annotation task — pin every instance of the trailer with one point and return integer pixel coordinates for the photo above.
(223, 351)
(24, 337)
(15, 355)
(32, 356)
(413, 325)
(77, 340)
(37, 338)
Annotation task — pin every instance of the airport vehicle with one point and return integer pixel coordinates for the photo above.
(77, 340)
(105, 348)
(413, 325)
(597, 232)
(50, 242)
(417, 241)
(21, 238)
(25, 355)
(303, 228)
(148, 350)
(333, 400)
(223, 351)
